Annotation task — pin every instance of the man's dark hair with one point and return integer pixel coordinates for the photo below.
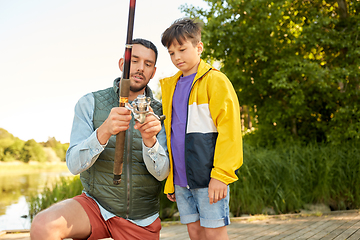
(181, 30)
(147, 44)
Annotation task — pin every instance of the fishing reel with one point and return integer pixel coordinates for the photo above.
(140, 108)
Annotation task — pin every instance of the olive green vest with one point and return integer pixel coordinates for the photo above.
(137, 196)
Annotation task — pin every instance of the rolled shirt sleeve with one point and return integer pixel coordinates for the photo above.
(156, 158)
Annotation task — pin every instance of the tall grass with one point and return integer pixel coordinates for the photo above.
(66, 187)
(284, 178)
(289, 176)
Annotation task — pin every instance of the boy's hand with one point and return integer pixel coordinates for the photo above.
(171, 197)
(217, 190)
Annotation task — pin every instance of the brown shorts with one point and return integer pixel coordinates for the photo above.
(115, 227)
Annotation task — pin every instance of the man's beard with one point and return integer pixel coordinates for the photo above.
(141, 87)
(137, 89)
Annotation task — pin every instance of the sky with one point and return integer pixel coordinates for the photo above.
(54, 52)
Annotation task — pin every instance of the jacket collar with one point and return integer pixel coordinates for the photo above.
(203, 68)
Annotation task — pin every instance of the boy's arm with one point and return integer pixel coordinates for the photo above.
(225, 112)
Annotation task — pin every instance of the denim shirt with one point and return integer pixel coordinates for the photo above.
(85, 149)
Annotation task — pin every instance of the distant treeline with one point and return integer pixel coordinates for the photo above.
(15, 149)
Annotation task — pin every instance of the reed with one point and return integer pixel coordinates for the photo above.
(66, 187)
(284, 178)
(289, 176)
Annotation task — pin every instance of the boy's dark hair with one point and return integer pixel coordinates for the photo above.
(181, 30)
(147, 44)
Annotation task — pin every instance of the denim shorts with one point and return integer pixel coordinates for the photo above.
(193, 205)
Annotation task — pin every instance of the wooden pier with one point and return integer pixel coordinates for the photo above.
(337, 225)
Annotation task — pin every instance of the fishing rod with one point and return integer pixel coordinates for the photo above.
(124, 95)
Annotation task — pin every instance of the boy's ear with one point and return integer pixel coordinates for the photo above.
(200, 47)
(121, 64)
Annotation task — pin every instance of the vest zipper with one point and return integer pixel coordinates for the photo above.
(128, 147)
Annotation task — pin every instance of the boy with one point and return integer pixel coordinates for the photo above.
(203, 134)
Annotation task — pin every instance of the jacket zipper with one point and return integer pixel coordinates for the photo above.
(187, 113)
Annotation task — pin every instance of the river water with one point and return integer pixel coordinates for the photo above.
(15, 189)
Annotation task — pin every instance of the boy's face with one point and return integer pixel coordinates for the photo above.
(142, 67)
(185, 57)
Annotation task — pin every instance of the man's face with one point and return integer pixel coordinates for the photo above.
(142, 67)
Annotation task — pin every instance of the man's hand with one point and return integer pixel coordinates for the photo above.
(117, 121)
(217, 190)
(171, 197)
(149, 129)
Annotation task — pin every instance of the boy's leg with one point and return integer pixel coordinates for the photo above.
(196, 232)
(189, 214)
(203, 220)
(219, 233)
(213, 217)
(61, 220)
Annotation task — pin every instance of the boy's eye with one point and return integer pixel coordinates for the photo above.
(171, 53)
(182, 49)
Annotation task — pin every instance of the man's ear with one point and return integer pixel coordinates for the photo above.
(121, 64)
(200, 47)
(153, 74)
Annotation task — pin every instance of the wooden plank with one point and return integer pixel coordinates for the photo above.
(354, 226)
(315, 227)
(333, 223)
(355, 235)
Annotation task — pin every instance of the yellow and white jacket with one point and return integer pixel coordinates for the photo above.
(213, 140)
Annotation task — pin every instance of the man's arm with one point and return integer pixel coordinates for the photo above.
(87, 144)
(84, 146)
(154, 147)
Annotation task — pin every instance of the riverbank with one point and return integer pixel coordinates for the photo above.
(18, 167)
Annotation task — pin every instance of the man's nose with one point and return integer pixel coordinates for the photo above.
(141, 66)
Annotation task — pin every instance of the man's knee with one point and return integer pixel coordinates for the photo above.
(41, 226)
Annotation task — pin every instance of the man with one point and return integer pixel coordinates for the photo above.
(128, 210)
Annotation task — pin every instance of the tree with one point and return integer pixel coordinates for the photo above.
(296, 64)
(33, 151)
(59, 148)
(15, 149)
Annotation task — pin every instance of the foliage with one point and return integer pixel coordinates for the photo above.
(294, 63)
(33, 151)
(284, 178)
(59, 148)
(15, 149)
(291, 175)
(65, 188)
